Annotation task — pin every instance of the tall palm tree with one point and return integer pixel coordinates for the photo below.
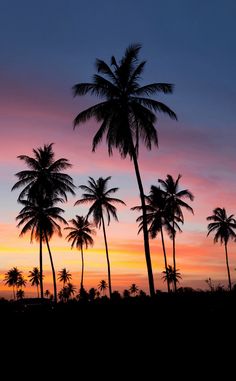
(174, 205)
(44, 178)
(12, 278)
(126, 115)
(64, 276)
(40, 219)
(34, 278)
(102, 286)
(80, 237)
(99, 195)
(224, 228)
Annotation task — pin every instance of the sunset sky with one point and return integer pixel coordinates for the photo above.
(46, 48)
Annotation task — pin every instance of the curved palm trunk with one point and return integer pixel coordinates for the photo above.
(174, 261)
(227, 264)
(108, 261)
(53, 270)
(82, 273)
(165, 259)
(41, 262)
(145, 229)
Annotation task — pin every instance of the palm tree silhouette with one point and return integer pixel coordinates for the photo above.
(34, 278)
(44, 184)
(20, 294)
(126, 115)
(47, 293)
(133, 289)
(174, 203)
(40, 218)
(12, 278)
(171, 275)
(44, 178)
(98, 194)
(224, 228)
(102, 286)
(64, 276)
(80, 236)
(158, 217)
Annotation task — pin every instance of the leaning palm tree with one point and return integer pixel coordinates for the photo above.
(102, 203)
(80, 236)
(12, 278)
(174, 204)
(44, 178)
(34, 278)
(224, 228)
(64, 276)
(126, 115)
(40, 219)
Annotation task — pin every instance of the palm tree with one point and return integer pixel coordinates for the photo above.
(20, 294)
(64, 276)
(174, 204)
(40, 218)
(102, 286)
(34, 278)
(171, 275)
(133, 289)
(224, 228)
(21, 282)
(47, 293)
(12, 278)
(80, 236)
(102, 203)
(158, 217)
(126, 115)
(44, 178)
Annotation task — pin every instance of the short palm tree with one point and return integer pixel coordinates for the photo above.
(64, 276)
(47, 293)
(34, 278)
(224, 228)
(20, 294)
(171, 276)
(126, 115)
(12, 278)
(44, 177)
(133, 289)
(40, 219)
(174, 204)
(80, 236)
(102, 286)
(98, 194)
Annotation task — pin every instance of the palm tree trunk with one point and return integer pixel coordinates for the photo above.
(82, 273)
(38, 290)
(165, 258)
(145, 229)
(108, 261)
(14, 294)
(174, 261)
(227, 264)
(53, 270)
(41, 262)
